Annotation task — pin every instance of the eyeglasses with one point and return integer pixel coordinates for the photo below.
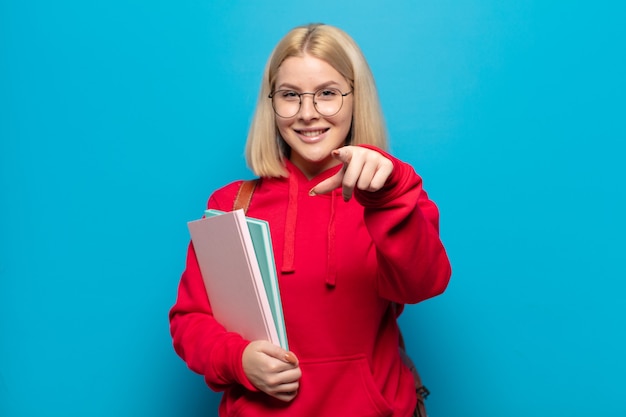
(327, 101)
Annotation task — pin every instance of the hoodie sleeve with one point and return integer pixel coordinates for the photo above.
(204, 344)
(404, 226)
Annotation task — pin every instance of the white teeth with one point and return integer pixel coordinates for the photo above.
(312, 134)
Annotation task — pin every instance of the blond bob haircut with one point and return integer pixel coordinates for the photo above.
(265, 149)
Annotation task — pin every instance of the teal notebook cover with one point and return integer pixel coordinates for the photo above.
(262, 243)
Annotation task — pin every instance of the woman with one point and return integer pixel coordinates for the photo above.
(354, 235)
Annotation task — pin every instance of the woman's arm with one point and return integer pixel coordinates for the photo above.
(202, 342)
(402, 221)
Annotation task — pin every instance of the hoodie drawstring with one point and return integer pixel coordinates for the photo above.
(291, 217)
(290, 226)
(331, 274)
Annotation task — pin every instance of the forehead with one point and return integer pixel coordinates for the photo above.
(307, 72)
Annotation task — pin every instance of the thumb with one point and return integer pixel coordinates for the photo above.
(291, 358)
(280, 353)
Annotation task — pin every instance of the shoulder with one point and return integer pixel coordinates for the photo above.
(224, 197)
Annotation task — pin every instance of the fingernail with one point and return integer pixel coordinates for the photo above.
(312, 192)
(291, 358)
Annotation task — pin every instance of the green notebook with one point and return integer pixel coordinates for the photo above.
(262, 243)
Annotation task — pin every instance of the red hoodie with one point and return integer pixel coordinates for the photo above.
(342, 266)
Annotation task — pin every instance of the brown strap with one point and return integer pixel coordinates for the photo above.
(244, 195)
(421, 390)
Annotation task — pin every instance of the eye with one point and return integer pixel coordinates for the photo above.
(327, 93)
(288, 95)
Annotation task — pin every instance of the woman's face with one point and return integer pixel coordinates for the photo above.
(310, 135)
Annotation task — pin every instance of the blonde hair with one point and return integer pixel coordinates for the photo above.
(265, 149)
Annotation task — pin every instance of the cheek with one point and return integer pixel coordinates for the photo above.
(345, 123)
(346, 118)
(282, 126)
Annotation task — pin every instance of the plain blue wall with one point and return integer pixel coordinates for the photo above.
(118, 119)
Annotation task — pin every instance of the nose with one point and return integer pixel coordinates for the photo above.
(307, 107)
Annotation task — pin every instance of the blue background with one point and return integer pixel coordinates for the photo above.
(119, 118)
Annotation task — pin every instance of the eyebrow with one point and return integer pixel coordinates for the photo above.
(288, 86)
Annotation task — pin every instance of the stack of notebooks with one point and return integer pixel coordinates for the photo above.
(237, 264)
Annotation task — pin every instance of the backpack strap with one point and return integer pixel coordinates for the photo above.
(244, 195)
(421, 390)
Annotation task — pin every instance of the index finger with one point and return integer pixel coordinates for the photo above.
(329, 184)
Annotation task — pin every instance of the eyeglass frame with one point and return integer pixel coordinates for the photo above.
(342, 94)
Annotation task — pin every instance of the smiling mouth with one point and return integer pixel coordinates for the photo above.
(312, 133)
